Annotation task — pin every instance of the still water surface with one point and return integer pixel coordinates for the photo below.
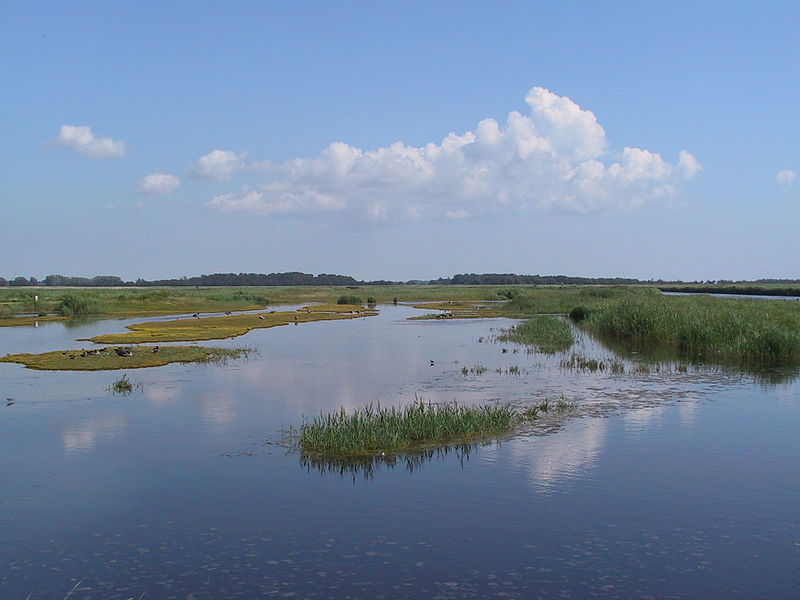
(663, 484)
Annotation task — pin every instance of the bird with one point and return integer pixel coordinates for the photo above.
(196, 315)
(10, 401)
(261, 317)
(431, 363)
(155, 350)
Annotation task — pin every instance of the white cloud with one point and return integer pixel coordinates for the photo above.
(554, 159)
(785, 178)
(159, 184)
(218, 164)
(81, 139)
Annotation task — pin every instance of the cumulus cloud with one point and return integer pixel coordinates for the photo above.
(159, 184)
(555, 158)
(785, 178)
(81, 139)
(218, 164)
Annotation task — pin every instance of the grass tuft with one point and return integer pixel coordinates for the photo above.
(373, 429)
(121, 386)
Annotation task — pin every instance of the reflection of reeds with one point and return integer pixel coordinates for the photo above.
(372, 430)
(367, 466)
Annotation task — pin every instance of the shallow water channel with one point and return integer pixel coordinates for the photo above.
(665, 481)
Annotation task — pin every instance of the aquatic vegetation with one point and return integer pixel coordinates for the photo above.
(374, 429)
(386, 432)
(121, 386)
(547, 333)
(133, 357)
(577, 362)
(751, 332)
(478, 369)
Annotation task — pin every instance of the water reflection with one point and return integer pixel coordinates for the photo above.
(554, 460)
(219, 411)
(365, 467)
(643, 418)
(85, 435)
(159, 394)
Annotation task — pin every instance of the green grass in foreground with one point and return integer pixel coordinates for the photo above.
(546, 333)
(374, 430)
(750, 332)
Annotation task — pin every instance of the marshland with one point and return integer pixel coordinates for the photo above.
(599, 434)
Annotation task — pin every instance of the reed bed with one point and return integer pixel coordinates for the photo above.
(548, 334)
(751, 332)
(373, 429)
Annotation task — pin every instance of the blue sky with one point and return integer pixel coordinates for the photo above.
(400, 141)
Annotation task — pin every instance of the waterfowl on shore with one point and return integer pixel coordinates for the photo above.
(123, 351)
(155, 350)
(261, 317)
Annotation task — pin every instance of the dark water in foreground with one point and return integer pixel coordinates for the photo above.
(661, 485)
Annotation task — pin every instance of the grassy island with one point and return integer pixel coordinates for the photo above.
(109, 359)
(372, 430)
(227, 326)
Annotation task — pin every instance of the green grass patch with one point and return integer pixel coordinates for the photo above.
(373, 429)
(546, 333)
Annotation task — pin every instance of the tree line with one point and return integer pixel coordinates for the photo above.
(325, 279)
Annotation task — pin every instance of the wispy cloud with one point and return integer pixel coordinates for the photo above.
(556, 158)
(81, 139)
(785, 178)
(218, 164)
(159, 184)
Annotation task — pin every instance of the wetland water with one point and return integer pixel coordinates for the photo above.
(662, 484)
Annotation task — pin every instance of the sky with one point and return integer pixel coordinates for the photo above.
(400, 141)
